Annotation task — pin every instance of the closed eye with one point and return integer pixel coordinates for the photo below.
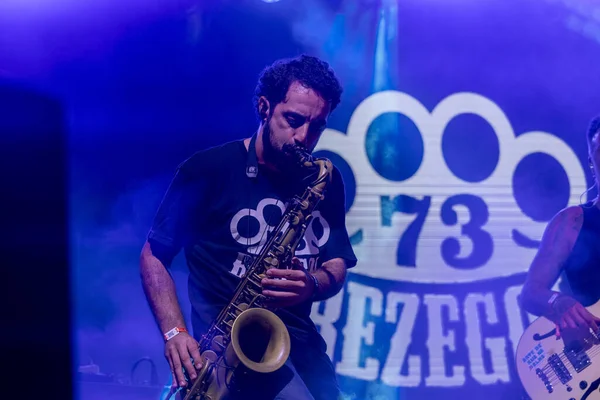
(294, 120)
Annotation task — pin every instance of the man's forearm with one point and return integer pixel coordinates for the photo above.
(534, 299)
(541, 301)
(160, 291)
(331, 277)
(558, 240)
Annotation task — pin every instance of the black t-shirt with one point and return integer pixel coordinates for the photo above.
(221, 218)
(582, 268)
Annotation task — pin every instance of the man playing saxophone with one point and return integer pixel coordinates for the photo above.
(220, 207)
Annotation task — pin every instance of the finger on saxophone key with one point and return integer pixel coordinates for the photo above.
(195, 353)
(296, 263)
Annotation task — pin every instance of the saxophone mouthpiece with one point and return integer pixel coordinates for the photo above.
(302, 155)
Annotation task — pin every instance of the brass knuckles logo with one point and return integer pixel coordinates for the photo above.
(256, 241)
(482, 214)
(311, 242)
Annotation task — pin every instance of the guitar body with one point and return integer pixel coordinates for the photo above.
(562, 369)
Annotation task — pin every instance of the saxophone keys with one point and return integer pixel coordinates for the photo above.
(296, 219)
(217, 344)
(234, 314)
(260, 277)
(254, 282)
(271, 262)
(210, 355)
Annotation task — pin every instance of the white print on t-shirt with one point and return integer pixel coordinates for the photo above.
(309, 246)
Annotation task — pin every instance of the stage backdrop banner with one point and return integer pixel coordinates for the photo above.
(449, 187)
(433, 302)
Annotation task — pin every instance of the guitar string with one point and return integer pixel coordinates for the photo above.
(551, 373)
(563, 357)
(547, 368)
(592, 354)
(593, 336)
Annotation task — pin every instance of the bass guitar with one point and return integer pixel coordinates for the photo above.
(565, 368)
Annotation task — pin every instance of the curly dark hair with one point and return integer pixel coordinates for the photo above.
(275, 80)
(594, 127)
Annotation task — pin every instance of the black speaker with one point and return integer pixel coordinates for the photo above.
(33, 242)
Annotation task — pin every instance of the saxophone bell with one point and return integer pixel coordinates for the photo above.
(260, 340)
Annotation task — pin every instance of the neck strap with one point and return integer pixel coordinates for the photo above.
(252, 162)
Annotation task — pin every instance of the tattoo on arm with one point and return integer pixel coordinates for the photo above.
(557, 243)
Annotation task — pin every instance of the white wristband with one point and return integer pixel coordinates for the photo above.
(173, 332)
(552, 298)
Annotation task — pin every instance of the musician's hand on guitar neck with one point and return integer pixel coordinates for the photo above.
(296, 288)
(570, 314)
(179, 352)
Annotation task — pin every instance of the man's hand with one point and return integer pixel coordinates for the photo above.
(570, 314)
(179, 352)
(296, 288)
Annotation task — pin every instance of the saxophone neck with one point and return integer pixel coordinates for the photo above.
(322, 166)
(325, 171)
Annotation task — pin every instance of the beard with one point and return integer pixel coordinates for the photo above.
(280, 155)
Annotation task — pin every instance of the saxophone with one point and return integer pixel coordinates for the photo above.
(245, 332)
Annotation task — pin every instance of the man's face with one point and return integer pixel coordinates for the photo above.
(299, 120)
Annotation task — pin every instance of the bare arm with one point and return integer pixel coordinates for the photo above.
(331, 277)
(162, 298)
(160, 292)
(556, 246)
